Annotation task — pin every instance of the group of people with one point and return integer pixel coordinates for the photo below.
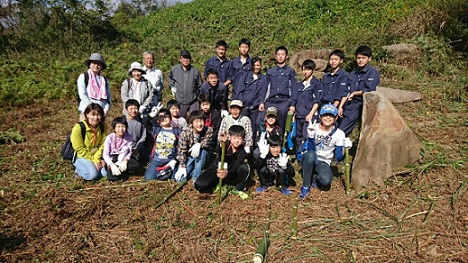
(185, 139)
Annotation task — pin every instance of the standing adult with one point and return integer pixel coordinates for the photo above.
(93, 87)
(154, 76)
(138, 88)
(185, 82)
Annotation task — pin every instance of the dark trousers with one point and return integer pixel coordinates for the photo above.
(252, 114)
(282, 104)
(267, 177)
(208, 179)
(351, 113)
(187, 108)
(132, 166)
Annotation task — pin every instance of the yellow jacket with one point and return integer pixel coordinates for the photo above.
(92, 146)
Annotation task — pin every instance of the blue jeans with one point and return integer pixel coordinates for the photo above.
(194, 166)
(152, 173)
(324, 174)
(86, 169)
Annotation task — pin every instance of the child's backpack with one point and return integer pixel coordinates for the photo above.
(86, 81)
(68, 153)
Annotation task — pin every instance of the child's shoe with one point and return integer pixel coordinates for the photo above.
(284, 190)
(304, 192)
(261, 188)
(314, 183)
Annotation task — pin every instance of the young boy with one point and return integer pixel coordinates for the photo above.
(308, 99)
(267, 128)
(185, 82)
(217, 91)
(135, 127)
(279, 88)
(194, 144)
(163, 154)
(212, 116)
(365, 79)
(234, 118)
(235, 171)
(177, 121)
(118, 151)
(335, 82)
(219, 63)
(240, 63)
(273, 166)
(324, 141)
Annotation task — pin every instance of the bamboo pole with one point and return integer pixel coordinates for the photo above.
(223, 155)
(347, 172)
(294, 226)
(171, 194)
(262, 249)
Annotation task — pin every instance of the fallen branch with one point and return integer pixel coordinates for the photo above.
(386, 213)
(167, 197)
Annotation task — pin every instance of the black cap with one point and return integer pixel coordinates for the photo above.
(184, 53)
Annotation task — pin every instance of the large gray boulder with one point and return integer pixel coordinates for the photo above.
(398, 95)
(319, 56)
(386, 143)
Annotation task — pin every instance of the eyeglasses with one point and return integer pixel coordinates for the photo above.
(162, 117)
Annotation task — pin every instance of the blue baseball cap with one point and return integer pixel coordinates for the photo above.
(329, 109)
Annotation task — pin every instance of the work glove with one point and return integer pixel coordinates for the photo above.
(123, 166)
(115, 170)
(347, 143)
(263, 148)
(172, 164)
(224, 113)
(247, 149)
(155, 110)
(181, 174)
(195, 150)
(173, 90)
(225, 166)
(142, 109)
(283, 160)
(312, 129)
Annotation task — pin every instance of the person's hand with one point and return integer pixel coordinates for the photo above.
(123, 166)
(312, 129)
(173, 90)
(223, 137)
(292, 109)
(225, 165)
(222, 173)
(263, 148)
(172, 164)
(309, 116)
(181, 174)
(224, 113)
(247, 149)
(115, 170)
(261, 107)
(155, 110)
(98, 166)
(351, 96)
(283, 160)
(195, 150)
(340, 112)
(347, 143)
(142, 109)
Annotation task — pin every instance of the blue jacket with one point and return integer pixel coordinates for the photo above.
(222, 67)
(248, 89)
(218, 95)
(235, 67)
(307, 97)
(335, 86)
(366, 79)
(280, 84)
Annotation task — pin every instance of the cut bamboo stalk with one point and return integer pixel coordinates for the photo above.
(223, 155)
(294, 226)
(347, 172)
(262, 249)
(171, 194)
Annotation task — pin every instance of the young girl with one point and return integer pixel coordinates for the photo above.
(118, 151)
(137, 88)
(177, 121)
(89, 164)
(267, 128)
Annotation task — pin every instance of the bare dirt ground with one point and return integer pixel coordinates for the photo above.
(47, 216)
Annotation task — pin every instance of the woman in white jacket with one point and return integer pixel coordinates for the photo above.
(137, 88)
